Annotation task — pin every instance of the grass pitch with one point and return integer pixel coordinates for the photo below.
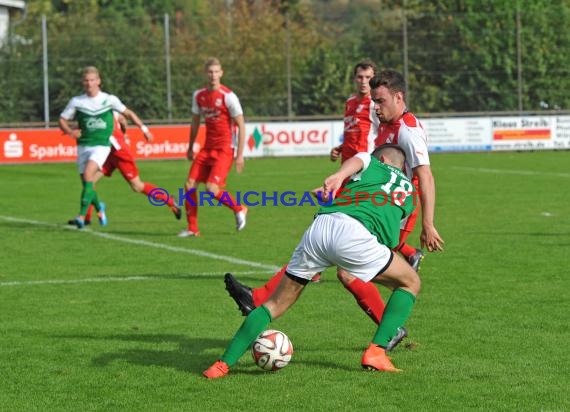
(126, 317)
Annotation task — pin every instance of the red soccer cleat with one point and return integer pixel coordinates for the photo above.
(375, 359)
(218, 370)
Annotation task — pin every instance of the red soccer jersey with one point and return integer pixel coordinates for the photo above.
(218, 107)
(408, 133)
(360, 126)
(118, 137)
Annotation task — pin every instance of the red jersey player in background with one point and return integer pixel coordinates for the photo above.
(360, 120)
(121, 158)
(360, 131)
(222, 112)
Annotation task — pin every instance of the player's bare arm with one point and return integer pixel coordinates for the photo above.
(335, 153)
(239, 120)
(122, 122)
(429, 237)
(193, 134)
(66, 128)
(334, 181)
(132, 116)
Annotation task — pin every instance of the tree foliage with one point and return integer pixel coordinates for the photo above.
(461, 55)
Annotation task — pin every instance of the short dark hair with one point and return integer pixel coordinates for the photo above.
(393, 152)
(364, 64)
(392, 80)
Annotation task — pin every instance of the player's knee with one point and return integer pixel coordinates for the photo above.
(213, 188)
(413, 283)
(189, 184)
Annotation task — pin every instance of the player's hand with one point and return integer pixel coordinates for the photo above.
(430, 239)
(318, 192)
(331, 185)
(75, 133)
(190, 154)
(148, 136)
(335, 153)
(239, 164)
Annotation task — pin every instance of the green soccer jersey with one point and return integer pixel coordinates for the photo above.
(94, 116)
(379, 197)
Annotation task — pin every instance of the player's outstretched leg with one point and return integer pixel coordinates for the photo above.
(406, 284)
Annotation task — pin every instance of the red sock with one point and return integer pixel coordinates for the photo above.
(228, 200)
(148, 187)
(89, 212)
(192, 211)
(261, 294)
(407, 250)
(368, 298)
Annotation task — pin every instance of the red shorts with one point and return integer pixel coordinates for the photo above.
(211, 166)
(124, 161)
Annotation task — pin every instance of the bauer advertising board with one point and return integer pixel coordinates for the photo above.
(288, 139)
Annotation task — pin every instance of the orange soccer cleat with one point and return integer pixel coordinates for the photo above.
(375, 359)
(218, 370)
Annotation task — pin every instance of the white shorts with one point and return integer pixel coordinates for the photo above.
(339, 240)
(96, 153)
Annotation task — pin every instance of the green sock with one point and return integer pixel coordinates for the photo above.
(397, 311)
(95, 201)
(255, 323)
(86, 195)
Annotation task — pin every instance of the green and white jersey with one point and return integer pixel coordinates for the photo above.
(94, 116)
(379, 197)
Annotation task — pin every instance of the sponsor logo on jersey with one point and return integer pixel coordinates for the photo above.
(96, 123)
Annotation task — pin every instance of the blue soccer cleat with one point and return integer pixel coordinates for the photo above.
(101, 214)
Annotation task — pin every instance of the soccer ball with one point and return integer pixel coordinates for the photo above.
(272, 350)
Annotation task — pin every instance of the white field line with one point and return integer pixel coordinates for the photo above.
(146, 243)
(109, 279)
(511, 172)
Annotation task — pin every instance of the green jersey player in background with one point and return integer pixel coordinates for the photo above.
(355, 232)
(94, 114)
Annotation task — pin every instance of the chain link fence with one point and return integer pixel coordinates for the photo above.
(455, 62)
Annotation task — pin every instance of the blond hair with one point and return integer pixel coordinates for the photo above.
(90, 69)
(212, 61)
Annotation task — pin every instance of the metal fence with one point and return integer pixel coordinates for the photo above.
(284, 87)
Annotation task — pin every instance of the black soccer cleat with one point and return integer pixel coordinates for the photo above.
(416, 259)
(72, 222)
(177, 212)
(395, 341)
(240, 293)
